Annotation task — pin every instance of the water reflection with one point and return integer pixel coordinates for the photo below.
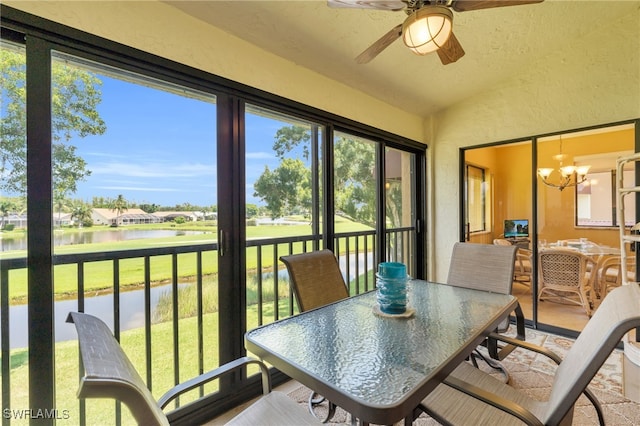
(19, 242)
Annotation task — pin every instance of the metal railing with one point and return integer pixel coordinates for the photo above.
(357, 256)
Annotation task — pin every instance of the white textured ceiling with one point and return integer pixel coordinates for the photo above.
(499, 43)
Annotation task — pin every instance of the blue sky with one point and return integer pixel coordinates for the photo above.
(160, 147)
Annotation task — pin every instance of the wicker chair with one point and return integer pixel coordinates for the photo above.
(489, 268)
(564, 277)
(317, 281)
(610, 277)
(471, 397)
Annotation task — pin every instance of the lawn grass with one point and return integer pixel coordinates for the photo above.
(98, 276)
(102, 412)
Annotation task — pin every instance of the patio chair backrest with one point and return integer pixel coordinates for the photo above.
(110, 374)
(487, 267)
(618, 313)
(316, 278)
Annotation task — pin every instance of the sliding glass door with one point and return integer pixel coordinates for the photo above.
(503, 204)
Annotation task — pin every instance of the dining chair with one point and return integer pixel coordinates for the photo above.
(564, 277)
(316, 280)
(469, 396)
(610, 274)
(522, 268)
(522, 271)
(489, 268)
(108, 373)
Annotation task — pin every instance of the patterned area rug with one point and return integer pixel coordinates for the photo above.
(533, 374)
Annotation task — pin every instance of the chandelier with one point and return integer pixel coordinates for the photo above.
(569, 175)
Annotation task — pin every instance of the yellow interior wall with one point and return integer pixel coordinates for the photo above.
(485, 158)
(513, 187)
(556, 219)
(510, 169)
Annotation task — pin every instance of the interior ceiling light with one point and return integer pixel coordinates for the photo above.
(427, 29)
(569, 175)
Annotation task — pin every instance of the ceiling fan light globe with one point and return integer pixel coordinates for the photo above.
(427, 29)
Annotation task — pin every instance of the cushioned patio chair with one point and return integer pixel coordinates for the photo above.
(317, 281)
(471, 397)
(108, 373)
(489, 268)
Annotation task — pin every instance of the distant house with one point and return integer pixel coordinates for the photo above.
(167, 216)
(128, 217)
(17, 220)
(62, 219)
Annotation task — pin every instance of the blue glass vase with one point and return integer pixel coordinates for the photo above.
(391, 283)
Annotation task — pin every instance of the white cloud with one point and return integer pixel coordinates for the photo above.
(153, 170)
(259, 155)
(134, 188)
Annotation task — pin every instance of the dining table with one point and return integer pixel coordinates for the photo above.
(375, 366)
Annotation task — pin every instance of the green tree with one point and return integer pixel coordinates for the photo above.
(354, 179)
(119, 205)
(251, 210)
(149, 208)
(286, 189)
(81, 212)
(6, 207)
(75, 95)
(60, 202)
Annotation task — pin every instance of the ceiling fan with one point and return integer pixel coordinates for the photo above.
(428, 27)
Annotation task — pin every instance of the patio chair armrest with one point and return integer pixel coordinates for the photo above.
(214, 374)
(526, 345)
(556, 358)
(493, 400)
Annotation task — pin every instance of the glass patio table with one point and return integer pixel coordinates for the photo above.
(379, 368)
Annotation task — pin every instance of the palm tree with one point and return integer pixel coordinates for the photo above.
(119, 206)
(59, 203)
(80, 211)
(6, 206)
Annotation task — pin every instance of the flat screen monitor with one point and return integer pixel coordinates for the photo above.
(516, 228)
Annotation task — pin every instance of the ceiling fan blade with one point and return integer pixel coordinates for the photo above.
(466, 5)
(368, 4)
(451, 51)
(380, 44)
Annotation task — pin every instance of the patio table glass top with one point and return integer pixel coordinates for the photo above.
(379, 368)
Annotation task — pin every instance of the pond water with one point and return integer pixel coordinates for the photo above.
(131, 306)
(102, 236)
(131, 314)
